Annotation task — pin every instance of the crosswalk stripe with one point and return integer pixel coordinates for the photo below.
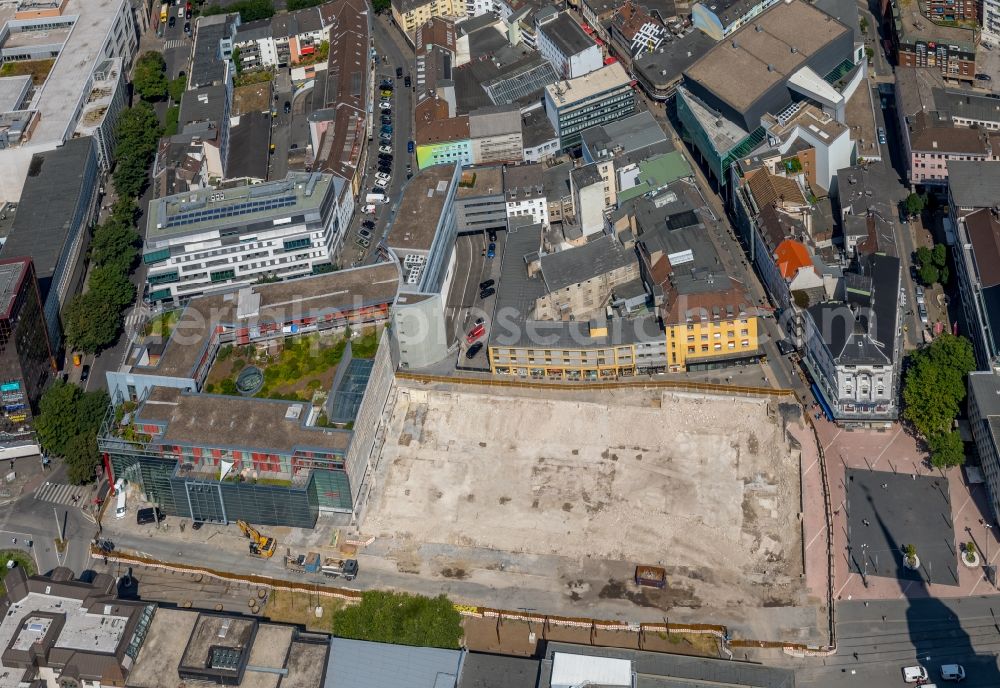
(59, 493)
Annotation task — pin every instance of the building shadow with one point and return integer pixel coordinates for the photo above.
(963, 631)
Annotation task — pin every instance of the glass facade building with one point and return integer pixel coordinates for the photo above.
(26, 360)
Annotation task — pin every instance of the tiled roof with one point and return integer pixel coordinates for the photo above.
(791, 256)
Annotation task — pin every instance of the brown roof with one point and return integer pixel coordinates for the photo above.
(436, 31)
(768, 189)
(346, 85)
(925, 138)
(434, 125)
(984, 233)
(630, 18)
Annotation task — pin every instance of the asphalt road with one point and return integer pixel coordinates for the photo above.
(30, 519)
(390, 44)
(877, 639)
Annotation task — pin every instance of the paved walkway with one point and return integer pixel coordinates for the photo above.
(897, 451)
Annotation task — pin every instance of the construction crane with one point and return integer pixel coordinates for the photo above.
(260, 545)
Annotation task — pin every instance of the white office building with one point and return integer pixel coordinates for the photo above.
(83, 36)
(200, 241)
(570, 51)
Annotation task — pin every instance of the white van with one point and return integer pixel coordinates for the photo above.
(120, 509)
(952, 672)
(914, 674)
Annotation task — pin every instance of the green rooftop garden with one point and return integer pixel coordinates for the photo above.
(294, 369)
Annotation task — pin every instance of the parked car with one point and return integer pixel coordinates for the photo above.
(881, 135)
(385, 104)
(399, 72)
(493, 235)
(150, 515)
(187, 27)
(385, 137)
(387, 150)
(474, 349)
(922, 312)
(386, 119)
(363, 242)
(491, 250)
(784, 348)
(386, 129)
(919, 291)
(386, 111)
(406, 81)
(84, 373)
(386, 83)
(288, 106)
(486, 293)
(487, 284)
(475, 333)
(172, 22)
(370, 224)
(383, 176)
(365, 233)
(952, 672)
(409, 146)
(387, 156)
(984, 77)
(914, 674)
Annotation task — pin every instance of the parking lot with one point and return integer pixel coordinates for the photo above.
(464, 305)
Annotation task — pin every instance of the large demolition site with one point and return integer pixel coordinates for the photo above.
(577, 487)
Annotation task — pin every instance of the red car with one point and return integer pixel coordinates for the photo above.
(475, 333)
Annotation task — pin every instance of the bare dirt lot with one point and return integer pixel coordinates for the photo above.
(707, 487)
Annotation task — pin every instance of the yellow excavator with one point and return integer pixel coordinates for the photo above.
(260, 545)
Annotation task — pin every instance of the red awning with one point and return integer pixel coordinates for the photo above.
(307, 50)
(610, 60)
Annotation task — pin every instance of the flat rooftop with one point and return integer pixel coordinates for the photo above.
(572, 91)
(567, 35)
(914, 26)
(27, 39)
(415, 223)
(279, 301)
(80, 53)
(488, 180)
(179, 638)
(10, 278)
(765, 52)
(194, 212)
(83, 630)
(204, 420)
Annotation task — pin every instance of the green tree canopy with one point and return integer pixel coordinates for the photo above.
(939, 255)
(150, 78)
(65, 412)
(928, 274)
(947, 449)
(924, 256)
(81, 458)
(389, 617)
(381, 6)
(138, 132)
(935, 384)
(114, 244)
(91, 322)
(915, 203)
(250, 10)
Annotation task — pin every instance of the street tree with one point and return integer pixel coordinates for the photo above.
(946, 449)
(56, 423)
(915, 204)
(934, 386)
(150, 78)
(81, 458)
(928, 274)
(91, 322)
